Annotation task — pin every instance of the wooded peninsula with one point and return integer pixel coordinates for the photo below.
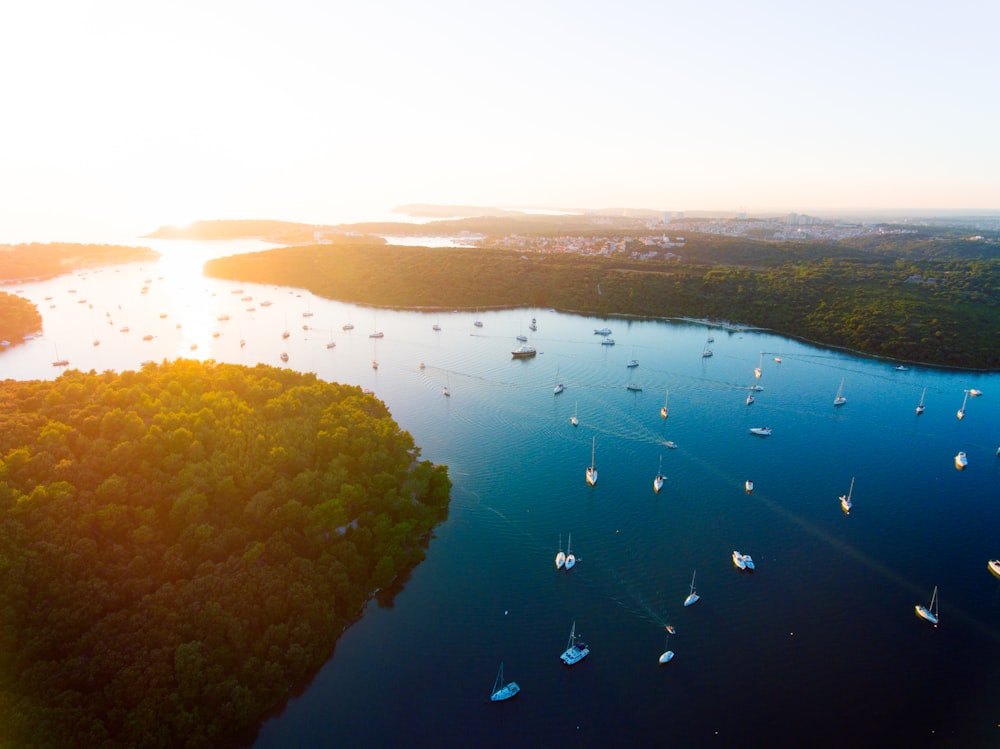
(928, 296)
(181, 546)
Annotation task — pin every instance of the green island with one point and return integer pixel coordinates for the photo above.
(35, 261)
(18, 318)
(181, 546)
(927, 295)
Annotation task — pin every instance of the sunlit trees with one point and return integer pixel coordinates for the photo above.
(179, 545)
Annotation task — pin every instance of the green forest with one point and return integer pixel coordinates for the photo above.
(861, 296)
(18, 318)
(181, 546)
(25, 262)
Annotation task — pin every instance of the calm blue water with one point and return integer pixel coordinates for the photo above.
(820, 643)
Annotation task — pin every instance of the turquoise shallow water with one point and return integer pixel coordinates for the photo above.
(819, 644)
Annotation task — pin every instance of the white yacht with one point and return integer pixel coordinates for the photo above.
(738, 560)
(602, 331)
(845, 499)
(930, 611)
(692, 596)
(660, 478)
(576, 650)
(961, 460)
(570, 556)
(748, 485)
(561, 556)
(524, 352)
(761, 431)
(503, 691)
(840, 400)
(667, 655)
(994, 566)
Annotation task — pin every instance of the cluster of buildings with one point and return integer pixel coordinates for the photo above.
(640, 248)
(792, 227)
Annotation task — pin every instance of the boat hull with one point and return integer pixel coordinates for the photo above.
(924, 613)
(508, 691)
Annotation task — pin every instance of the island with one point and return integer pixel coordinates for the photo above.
(35, 261)
(927, 295)
(181, 546)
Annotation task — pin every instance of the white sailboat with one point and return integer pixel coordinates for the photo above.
(663, 411)
(561, 556)
(757, 372)
(845, 500)
(573, 419)
(840, 399)
(503, 691)
(667, 654)
(961, 411)
(692, 596)
(750, 399)
(570, 556)
(559, 386)
(658, 481)
(592, 470)
(930, 611)
(576, 650)
(920, 406)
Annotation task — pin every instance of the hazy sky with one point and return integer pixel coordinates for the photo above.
(126, 115)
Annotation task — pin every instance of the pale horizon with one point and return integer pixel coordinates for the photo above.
(123, 117)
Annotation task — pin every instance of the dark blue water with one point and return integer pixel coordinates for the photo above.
(820, 644)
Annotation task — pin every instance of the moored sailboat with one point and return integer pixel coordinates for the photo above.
(658, 481)
(570, 556)
(573, 419)
(845, 499)
(961, 411)
(561, 556)
(592, 470)
(663, 411)
(668, 654)
(501, 691)
(576, 650)
(840, 400)
(692, 596)
(930, 611)
(920, 406)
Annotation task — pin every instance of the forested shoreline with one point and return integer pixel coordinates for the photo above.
(35, 261)
(925, 303)
(181, 546)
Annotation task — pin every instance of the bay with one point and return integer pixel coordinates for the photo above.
(820, 642)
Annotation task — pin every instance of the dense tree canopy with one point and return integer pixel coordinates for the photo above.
(30, 261)
(18, 318)
(181, 546)
(914, 304)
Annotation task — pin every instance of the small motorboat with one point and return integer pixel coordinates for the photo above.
(761, 431)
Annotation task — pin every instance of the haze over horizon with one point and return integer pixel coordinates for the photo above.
(122, 117)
